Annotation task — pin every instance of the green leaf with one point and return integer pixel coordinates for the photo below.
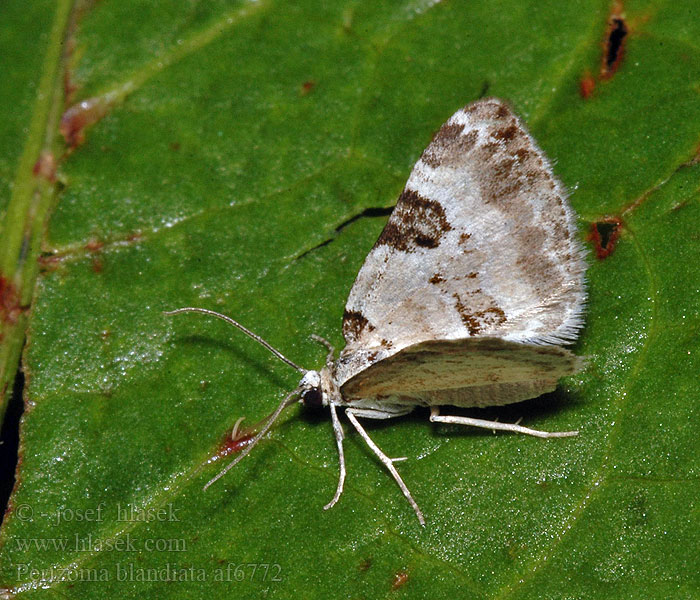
(227, 156)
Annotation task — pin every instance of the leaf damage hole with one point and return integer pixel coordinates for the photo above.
(9, 446)
(604, 235)
(614, 45)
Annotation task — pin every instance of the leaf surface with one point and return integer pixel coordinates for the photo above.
(236, 156)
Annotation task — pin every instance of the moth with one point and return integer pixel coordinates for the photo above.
(466, 299)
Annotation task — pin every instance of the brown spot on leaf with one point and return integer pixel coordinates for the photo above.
(354, 323)
(586, 85)
(10, 308)
(437, 278)
(94, 245)
(69, 85)
(45, 166)
(49, 262)
(80, 116)
(97, 264)
(417, 222)
(400, 578)
(604, 235)
(307, 87)
(236, 440)
(231, 445)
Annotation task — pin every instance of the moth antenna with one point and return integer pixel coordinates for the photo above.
(245, 330)
(290, 399)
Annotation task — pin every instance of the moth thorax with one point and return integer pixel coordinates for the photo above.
(311, 394)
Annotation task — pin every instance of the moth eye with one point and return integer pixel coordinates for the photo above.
(312, 398)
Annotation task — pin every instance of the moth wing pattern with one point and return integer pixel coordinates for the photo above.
(482, 242)
(466, 372)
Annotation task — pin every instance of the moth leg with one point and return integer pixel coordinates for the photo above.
(338, 430)
(388, 462)
(436, 417)
(387, 413)
(327, 344)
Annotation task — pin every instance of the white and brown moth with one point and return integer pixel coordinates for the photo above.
(467, 296)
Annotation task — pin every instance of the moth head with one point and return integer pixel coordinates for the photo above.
(311, 394)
